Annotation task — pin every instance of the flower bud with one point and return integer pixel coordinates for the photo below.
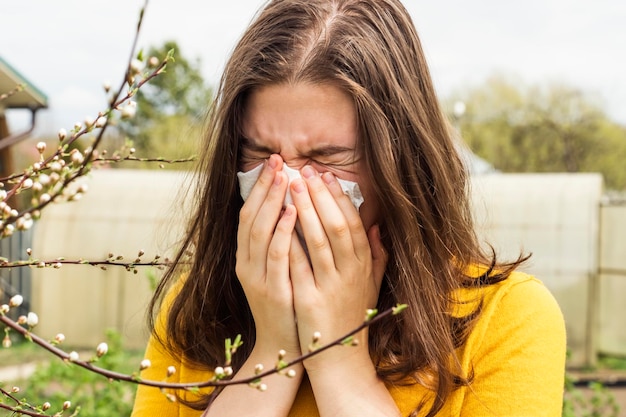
(66, 405)
(27, 183)
(45, 406)
(228, 371)
(281, 354)
(77, 157)
(262, 387)
(15, 390)
(78, 125)
(4, 308)
(32, 320)
(153, 61)
(59, 338)
(258, 368)
(41, 147)
(291, 373)
(171, 370)
(44, 198)
(16, 301)
(89, 121)
(24, 223)
(107, 86)
(144, 364)
(56, 166)
(101, 121)
(135, 66)
(8, 230)
(129, 110)
(6, 342)
(102, 349)
(21, 320)
(73, 357)
(219, 371)
(44, 179)
(3, 194)
(62, 134)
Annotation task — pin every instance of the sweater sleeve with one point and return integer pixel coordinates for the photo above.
(518, 355)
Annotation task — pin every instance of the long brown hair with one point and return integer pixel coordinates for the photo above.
(371, 50)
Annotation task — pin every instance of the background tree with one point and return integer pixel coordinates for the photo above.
(169, 109)
(542, 128)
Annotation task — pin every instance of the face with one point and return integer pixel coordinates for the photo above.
(307, 124)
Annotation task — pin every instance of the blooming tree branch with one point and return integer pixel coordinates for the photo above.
(221, 374)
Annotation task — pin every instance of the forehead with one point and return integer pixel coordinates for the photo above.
(300, 115)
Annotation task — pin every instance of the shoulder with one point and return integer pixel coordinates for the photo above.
(517, 311)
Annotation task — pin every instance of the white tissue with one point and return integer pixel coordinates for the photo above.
(248, 179)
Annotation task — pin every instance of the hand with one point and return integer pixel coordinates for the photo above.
(263, 242)
(343, 278)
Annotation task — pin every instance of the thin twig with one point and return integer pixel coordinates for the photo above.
(189, 385)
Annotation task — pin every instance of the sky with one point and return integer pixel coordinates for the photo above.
(69, 48)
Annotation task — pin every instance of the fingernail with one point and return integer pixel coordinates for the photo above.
(278, 178)
(328, 177)
(308, 171)
(298, 186)
(272, 162)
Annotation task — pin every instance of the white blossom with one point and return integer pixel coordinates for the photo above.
(41, 147)
(16, 300)
(44, 179)
(32, 319)
(129, 110)
(102, 349)
(144, 364)
(59, 338)
(73, 357)
(101, 121)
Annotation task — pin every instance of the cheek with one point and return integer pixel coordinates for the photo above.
(369, 211)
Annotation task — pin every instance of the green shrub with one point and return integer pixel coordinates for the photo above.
(96, 396)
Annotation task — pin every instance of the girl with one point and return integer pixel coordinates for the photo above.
(340, 90)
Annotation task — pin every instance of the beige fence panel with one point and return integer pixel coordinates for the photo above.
(612, 297)
(128, 211)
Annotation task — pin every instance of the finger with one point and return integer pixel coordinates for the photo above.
(353, 220)
(379, 255)
(266, 219)
(250, 208)
(278, 252)
(314, 235)
(339, 218)
(300, 269)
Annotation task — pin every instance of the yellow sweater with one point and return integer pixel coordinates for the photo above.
(516, 352)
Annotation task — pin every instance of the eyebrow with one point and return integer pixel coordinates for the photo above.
(326, 150)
